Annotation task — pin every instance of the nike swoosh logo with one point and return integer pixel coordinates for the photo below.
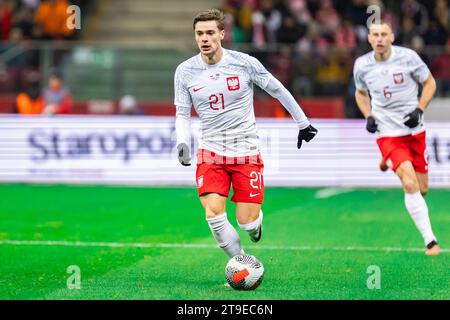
(197, 89)
(254, 195)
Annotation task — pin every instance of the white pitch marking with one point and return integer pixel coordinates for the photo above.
(203, 246)
(330, 192)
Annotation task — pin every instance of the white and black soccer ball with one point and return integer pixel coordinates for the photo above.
(244, 272)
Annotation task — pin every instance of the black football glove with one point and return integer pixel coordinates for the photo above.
(414, 118)
(371, 125)
(184, 154)
(306, 134)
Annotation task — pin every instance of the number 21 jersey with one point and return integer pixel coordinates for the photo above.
(222, 95)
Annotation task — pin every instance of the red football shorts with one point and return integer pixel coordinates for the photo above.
(396, 150)
(216, 173)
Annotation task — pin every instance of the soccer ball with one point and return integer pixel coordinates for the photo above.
(244, 272)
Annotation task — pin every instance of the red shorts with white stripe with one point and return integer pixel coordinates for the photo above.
(216, 173)
(396, 150)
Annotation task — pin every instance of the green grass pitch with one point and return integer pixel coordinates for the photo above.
(154, 243)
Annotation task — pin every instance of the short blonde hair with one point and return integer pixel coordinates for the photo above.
(210, 15)
(380, 24)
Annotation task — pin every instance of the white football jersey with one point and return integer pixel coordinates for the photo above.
(222, 95)
(393, 87)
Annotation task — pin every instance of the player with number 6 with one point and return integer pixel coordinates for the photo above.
(392, 74)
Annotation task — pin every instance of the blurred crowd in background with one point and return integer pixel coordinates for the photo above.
(318, 40)
(36, 19)
(324, 23)
(24, 21)
(309, 45)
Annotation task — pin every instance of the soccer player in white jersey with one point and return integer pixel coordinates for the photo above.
(392, 74)
(219, 84)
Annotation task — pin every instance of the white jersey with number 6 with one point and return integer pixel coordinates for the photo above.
(393, 86)
(222, 95)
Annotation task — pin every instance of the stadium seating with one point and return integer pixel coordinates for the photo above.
(149, 22)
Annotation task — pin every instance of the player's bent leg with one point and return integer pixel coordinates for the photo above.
(249, 217)
(222, 230)
(248, 194)
(416, 205)
(423, 182)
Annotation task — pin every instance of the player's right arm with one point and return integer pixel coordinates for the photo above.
(182, 129)
(363, 99)
(183, 104)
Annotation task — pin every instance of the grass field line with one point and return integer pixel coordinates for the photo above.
(331, 192)
(203, 246)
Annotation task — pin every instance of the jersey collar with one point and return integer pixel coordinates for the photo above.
(393, 50)
(208, 66)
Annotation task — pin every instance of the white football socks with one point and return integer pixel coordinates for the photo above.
(252, 227)
(418, 210)
(225, 235)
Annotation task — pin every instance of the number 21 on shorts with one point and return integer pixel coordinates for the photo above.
(256, 180)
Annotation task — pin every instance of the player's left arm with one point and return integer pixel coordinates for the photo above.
(428, 91)
(422, 75)
(306, 131)
(266, 81)
(276, 89)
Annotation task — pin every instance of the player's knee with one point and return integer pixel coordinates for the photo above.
(410, 185)
(213, 210)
